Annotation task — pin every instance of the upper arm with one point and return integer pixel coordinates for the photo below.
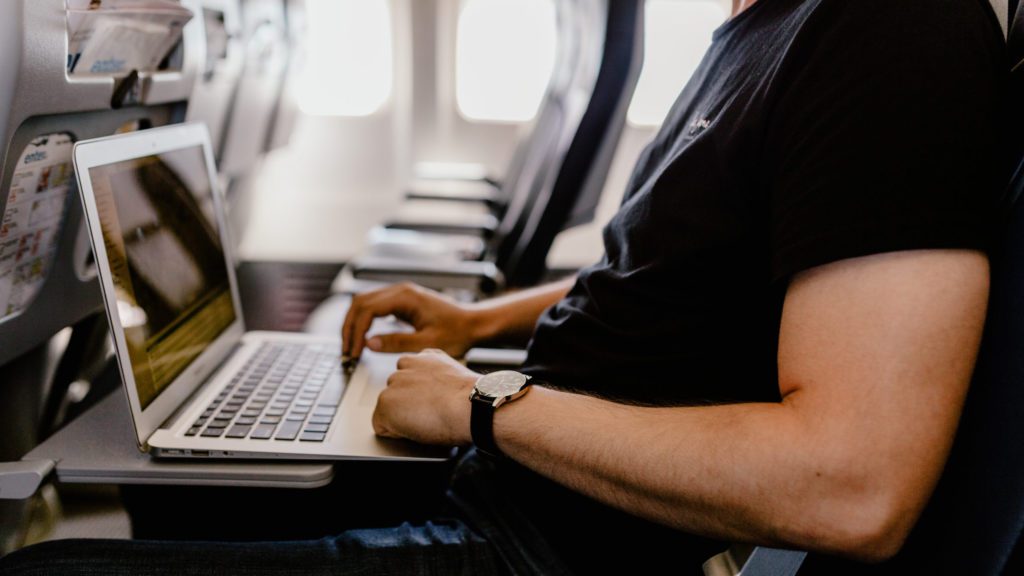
(875, 357)
(886, 145)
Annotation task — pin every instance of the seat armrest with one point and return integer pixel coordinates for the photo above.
(742, 560)
(409, 244)
(454, 191)
(460, 171)
(489, 359)
(481, 277)
(478, 224)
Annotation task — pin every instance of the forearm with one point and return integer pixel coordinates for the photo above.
(745, 472)
(511, 318)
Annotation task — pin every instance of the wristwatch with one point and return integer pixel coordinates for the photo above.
(491, 391)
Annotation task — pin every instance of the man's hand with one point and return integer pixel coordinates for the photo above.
(427, 401)
(439, 322)
(442, 323)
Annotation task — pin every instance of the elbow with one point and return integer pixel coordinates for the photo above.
(878, 541)
(861, 513)
(870, 527)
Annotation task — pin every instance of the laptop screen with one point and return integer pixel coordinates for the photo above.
(168, 268)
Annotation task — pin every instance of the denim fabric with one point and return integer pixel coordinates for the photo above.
(484, 536)
(431, 549)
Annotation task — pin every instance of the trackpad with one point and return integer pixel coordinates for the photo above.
(377, 369)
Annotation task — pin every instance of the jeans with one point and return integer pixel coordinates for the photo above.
(478, 533)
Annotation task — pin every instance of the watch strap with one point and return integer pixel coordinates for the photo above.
(481, 426)
(481, 419)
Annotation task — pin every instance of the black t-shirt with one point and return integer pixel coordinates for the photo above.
(813, 131)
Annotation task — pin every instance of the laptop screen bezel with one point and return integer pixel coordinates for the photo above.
(103, 151)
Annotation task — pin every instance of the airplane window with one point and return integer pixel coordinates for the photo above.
(677, 34)
(349, 67)
(504, 56)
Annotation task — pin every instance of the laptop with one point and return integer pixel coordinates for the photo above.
(198, 384)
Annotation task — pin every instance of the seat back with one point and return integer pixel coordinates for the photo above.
(47, 277)
(538, 144)
(595, 112)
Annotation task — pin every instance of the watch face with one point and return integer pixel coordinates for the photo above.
(501, 384)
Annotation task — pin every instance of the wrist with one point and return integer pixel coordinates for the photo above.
(460, 411)
(485, 323)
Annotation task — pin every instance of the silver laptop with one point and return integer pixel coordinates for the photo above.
(198, 384)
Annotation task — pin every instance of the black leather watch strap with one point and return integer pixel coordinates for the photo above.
(481, 426)
(481, 418)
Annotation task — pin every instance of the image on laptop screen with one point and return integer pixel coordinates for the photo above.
(169, 272)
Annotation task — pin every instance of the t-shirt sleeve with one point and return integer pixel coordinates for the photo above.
(885, 136)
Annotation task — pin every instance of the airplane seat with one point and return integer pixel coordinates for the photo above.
(573, 198)
(286, 112)
(216, 89)
(54, 91)
(601, 91)
(534, 153)
(611, 48)
(467, 187)
(248, 132)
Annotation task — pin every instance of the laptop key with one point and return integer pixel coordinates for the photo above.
(270, 420)
(212, 432)
(193, 431)
(317, 427)
(288, 430)
(312, 437)
(246, 420)
(262, 432)
(239, 431)
(321, 419)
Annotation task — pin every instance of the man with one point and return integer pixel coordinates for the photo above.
(804, 236)
(775, 348)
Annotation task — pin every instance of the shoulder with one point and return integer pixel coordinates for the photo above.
(911, 20)
(947, 41)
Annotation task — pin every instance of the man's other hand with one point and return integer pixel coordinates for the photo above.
(438, 322)
(427, 401)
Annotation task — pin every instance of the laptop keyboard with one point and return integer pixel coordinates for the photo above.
(284, 392)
